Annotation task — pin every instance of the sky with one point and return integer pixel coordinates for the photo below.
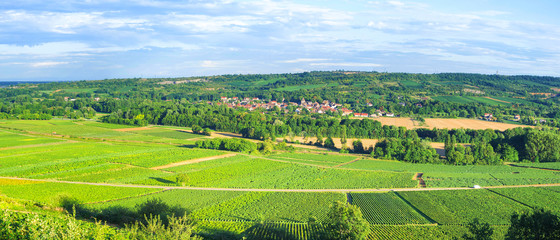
(50, 40)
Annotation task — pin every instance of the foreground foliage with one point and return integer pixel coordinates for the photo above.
(14, 225)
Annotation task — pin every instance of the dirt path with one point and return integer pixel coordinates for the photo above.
(281, 190)
(421, 182)
(342, 164)
(193, 161)
(36, 145)
(497, 100)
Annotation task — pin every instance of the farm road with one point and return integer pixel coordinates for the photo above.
(175, 164)
(280, 190)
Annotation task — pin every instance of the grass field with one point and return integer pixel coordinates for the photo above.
(9, 139)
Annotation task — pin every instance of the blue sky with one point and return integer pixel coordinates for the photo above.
(98, 39)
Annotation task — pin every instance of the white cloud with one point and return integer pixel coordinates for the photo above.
(396, 3)
(51, 48)
(208, 64)
(211, 24)
(299, 60)
(47, 64)
(68, 23)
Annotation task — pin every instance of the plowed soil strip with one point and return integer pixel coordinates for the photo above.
(497, 100)
(193, 161)
(342, 164)
(131, 129)
(280, 190)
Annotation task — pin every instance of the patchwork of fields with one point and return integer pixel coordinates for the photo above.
(282, 191)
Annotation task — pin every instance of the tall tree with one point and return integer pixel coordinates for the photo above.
(345, 221)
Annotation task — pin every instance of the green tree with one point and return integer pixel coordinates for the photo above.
(540, 224)
(206, 132)
(358, 146)
(345, 221)
(478, 231)
(182, 179)
(329, 143)
(196, 129)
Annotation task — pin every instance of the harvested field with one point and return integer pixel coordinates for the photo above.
(468, 124)
(366, 142)
(448, 123)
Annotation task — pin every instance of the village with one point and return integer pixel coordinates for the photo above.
(312, 107)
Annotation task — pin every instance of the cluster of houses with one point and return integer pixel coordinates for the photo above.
(313, 107)
(73, 99)
(516, 118)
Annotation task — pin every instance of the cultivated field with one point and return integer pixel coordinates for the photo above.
(232, 193)
(448, 123)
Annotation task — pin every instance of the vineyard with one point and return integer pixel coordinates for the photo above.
(387, 208)
(51, 193)
(463, 176)
(315, 159)
(92, 152)
(455, 206)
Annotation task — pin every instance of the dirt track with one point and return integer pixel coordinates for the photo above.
(283, 190)
(193, 161)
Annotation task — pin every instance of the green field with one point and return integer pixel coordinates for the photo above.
(514, 100)
(469, 99)
(387, 208)
(305, 87)
(436, 175)
(544, 165)
(458, 207)
(313, 159)
(97, 130)
(79, 90)
(255, 83)
(51, 193)
(127, 157)
(410, 84)
(9, 139)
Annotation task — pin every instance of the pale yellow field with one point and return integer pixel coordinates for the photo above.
(448, 123)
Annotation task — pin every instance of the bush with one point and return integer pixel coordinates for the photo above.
(345, 221)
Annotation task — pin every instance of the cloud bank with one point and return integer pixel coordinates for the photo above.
(98, 39)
